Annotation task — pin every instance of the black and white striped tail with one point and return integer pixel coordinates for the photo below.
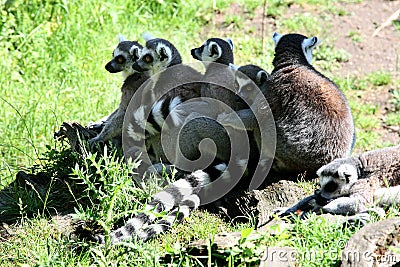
(177, 215)
(179, 199)
(160, 111)
(156, 119)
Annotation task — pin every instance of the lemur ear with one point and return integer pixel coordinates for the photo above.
(214, 50)
(147, 36)
(121, 38)
(163, 54)
(233, 67)
(229, 41)
(310, 43)
(276, 37)
(262, 76)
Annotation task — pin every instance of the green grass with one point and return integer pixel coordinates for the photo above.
(53, 56)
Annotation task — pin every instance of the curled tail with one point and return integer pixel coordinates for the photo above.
(175, 216)
(178, 201)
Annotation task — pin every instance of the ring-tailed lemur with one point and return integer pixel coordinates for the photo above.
(353, 185)
(170, 84)
(122, 61)
(218, 76)
(179, 198)
(215, 54)
(246, 89)
(313, 120)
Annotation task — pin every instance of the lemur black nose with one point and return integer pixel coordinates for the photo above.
(330, 187)
(110, 68)
(238, 98)
(137, 67)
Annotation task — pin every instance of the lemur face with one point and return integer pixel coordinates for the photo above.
(246, 89)
(158, 55)
(123, 60)
(336, 179)
(248, 79)
(215, 50)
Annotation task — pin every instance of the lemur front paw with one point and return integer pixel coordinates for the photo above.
(94, 141)
(94, 126)
(280, 212)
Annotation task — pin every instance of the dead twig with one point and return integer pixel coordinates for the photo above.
(263, 24)
(393, 17)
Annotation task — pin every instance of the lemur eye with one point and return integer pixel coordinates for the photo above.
(120, 59)
(236, 85)
(148, 58)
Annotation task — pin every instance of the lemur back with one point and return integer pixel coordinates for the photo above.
(313, 120)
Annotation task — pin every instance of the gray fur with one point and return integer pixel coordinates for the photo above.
(190, 135)
(247, 90)
(357, 184)
(122, 62)
(215, 54)
(170, 82)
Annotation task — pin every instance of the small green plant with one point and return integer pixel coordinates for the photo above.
(319, 241)
(275, 8)
(247, 252)
(395, 100)
(355, 36)
(234, 20)
(109, 188)
(304, 23)
(329, 57)
(393, 118)
(379, 78)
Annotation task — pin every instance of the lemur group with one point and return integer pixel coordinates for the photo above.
(295, 120)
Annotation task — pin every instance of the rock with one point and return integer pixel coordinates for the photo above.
(261, 203)
(371, 245)
(279, 257)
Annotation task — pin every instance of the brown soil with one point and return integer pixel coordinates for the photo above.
(369, 52)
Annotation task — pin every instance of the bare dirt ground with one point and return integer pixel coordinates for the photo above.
(368, 54)
(371, 52)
